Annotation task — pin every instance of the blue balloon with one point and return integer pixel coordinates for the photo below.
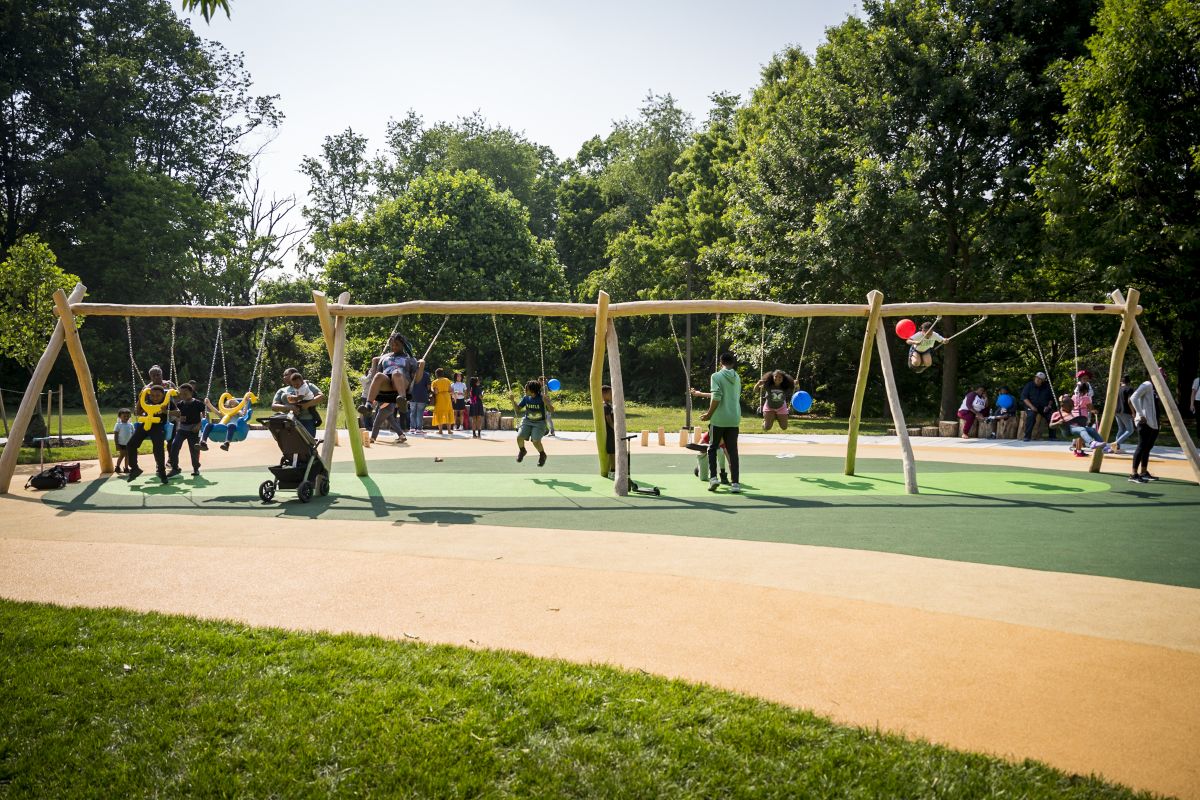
(553, 384)
(802, 401)
(1005, 401)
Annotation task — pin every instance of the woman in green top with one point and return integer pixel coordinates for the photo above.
(725, 417)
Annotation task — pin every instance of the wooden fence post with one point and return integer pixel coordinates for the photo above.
(340, 396)
(29, 401)
(621, 446)
(1116, 365)
(596, 380)
(875, 305)
(83, 374)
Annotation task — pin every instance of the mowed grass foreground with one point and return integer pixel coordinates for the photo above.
(123, 704)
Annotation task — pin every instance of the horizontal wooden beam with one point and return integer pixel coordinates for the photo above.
(588, 310)
(998, 309)
(467, 307)
(648, 307)
(195, 312)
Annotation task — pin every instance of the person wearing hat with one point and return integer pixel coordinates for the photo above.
(1037, 400)
(187, 428)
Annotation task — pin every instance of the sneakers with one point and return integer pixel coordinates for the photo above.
(541, 459)
(1080, 454)
(162, 476)
(736, 488)
(725, 478)
(1137, 479)
(225, 447)
(713, 483)
(195, 473)
(1147, 477)
(521, 455)
(204, 445)
(366, 409)
(174, 471)
(134, 473)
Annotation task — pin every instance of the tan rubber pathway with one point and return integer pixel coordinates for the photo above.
(1089, 674)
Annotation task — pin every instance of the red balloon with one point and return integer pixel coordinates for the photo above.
(905, 328)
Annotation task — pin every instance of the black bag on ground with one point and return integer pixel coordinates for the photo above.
(50, 478)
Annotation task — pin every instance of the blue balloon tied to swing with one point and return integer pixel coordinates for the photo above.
(802, 401)
(235, 431)
(1005, 401)
(553, 384)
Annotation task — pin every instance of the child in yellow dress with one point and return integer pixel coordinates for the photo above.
(443, 406)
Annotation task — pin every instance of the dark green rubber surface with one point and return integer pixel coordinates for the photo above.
(1039, 519)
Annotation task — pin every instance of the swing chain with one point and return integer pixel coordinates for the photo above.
(717, 346)
(503, 363)
(174, 377)
(1075, 343)
(1042, 356)
(762, 346)
(541, 349)
(224, 370)
(679, 351)
(134, 370)
(256, 372)
(212, 368)
(803, 349)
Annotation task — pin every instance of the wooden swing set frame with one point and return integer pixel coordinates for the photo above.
(333, 318)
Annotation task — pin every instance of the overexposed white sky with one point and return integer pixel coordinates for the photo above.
(561, 72)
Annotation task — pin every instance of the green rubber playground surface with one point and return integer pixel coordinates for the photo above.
(1039, 519)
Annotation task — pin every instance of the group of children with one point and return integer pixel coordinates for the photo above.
(182, 421)
(406, 389)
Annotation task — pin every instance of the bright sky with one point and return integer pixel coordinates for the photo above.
(561, 71)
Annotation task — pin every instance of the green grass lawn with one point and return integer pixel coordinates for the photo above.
(120, 704)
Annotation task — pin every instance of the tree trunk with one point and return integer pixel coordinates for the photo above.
(1188, 355)
(471, 361)
(950, 388)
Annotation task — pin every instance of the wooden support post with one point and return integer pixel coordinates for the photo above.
(875, 306)
(60, 414)
(1116, 365)
(1168, 400)
(621, 446)
(893, 395)
(29, 401)
(340, 396)
(83, 373)
(596, 379)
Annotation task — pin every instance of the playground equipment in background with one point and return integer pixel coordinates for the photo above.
(333, 317)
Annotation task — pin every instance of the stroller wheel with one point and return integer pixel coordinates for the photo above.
(266, 491)
(322, 485)
(304, 491)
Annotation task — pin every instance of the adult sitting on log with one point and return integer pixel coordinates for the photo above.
(1037, 400)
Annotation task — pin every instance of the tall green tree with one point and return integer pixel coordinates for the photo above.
(30, 275)
(1122, 186)
(902, 160)
(451, 236)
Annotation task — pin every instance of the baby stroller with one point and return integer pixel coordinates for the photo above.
(300, 468)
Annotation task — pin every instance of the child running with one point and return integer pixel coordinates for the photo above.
(475, 407)
(533, 425)
(921, 344)
(122, 433)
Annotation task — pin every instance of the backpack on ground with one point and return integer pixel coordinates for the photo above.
(50, 478)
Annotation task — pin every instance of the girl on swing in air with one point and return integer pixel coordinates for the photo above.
(920, 347)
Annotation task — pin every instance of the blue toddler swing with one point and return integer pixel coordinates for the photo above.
(236, 412)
